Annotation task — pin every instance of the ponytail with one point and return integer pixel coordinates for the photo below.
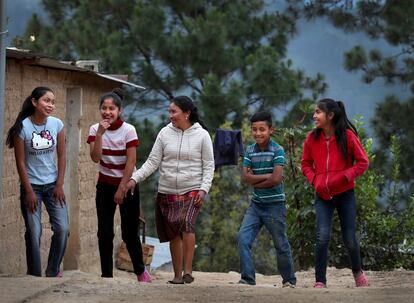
(187, 105)
(348, 123)
(27, 110)
(195, 117)
(340, 121)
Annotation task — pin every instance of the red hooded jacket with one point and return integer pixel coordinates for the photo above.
(325, 167)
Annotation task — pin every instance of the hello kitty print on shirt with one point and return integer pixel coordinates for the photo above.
(44, 140)
(41, 142)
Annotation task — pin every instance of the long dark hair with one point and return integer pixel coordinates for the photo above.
(340, 122)
(27, 110)
(187, 105)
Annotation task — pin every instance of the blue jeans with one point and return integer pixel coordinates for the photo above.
(33, 221)
(273, 217)
(345, 204)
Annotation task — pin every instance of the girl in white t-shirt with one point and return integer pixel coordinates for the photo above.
(113, 144)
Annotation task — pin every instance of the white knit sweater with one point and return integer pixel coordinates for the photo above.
(185, 160)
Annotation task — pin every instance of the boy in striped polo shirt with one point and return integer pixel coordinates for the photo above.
(263, 168)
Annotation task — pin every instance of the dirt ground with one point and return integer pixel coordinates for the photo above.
(75, 286)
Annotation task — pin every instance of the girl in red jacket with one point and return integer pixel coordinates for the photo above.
(332, 159)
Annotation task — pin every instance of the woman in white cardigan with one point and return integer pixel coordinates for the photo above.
(183, 153)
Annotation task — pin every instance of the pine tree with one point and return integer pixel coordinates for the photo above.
(392, 21)
(229, 56)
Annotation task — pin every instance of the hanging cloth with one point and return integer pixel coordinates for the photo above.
(228, 147)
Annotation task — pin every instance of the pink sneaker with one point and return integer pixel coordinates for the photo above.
(361, 280)
(59, 274)
(145, 277)
(319, 285)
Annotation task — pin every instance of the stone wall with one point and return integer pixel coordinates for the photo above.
(77, 96)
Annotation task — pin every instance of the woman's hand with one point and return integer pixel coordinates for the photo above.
(31, 202)
(58, 195)
(199, 198)
(130, 186)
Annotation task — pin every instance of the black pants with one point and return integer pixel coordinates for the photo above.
(129, 210)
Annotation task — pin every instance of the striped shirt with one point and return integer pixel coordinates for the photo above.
(263, 162)
(115, 142)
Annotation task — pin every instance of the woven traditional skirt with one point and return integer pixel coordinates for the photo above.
(175, 214)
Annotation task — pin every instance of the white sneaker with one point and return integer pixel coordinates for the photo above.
(288, 284)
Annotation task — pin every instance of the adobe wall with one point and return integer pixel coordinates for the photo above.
(82, 252)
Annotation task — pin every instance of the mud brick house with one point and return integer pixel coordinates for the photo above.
(77, 91)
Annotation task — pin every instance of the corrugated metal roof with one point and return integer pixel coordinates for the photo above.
(43, 60)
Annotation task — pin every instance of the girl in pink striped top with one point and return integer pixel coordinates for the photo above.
(113, 144)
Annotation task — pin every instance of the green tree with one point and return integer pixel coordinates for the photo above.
(392, 120)
(389, 20)
(229, 55)
(220, 218)
(382, 230)
(299, 195)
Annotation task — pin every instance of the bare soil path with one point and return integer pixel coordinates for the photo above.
(396, 286)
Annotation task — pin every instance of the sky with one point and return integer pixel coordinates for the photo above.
(318, 47)
(18, 12)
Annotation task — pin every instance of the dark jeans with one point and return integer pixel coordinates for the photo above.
(58, 216)
(129, 211)
(345, 204)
